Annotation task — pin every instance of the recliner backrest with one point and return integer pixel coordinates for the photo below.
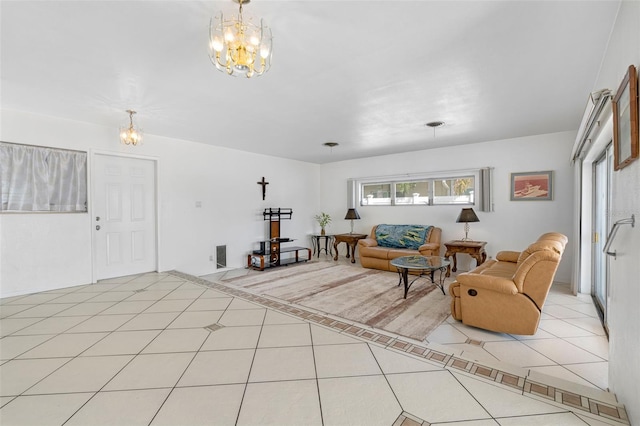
(540, 245)
(537, 266)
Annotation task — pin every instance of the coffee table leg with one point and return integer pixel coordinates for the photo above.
(405, 278)
(440, 282)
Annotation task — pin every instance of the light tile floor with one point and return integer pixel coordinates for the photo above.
(570, 342)
(171, 349)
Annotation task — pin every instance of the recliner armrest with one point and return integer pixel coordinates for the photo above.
(368, 242)
(487, 282)
(508, 256)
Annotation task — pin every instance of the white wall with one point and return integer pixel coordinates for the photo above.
(512, 226)
(44, 251)
(624, 315)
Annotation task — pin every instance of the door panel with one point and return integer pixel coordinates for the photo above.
(124, 207)
(602, 200)
(114, 249)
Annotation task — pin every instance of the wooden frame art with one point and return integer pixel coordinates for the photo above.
(532, 186)
(625, 121)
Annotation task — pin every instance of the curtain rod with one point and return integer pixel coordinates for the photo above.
(441, 173)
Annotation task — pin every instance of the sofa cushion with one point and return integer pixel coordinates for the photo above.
(393, 253)
(500, 269)
(402, 236)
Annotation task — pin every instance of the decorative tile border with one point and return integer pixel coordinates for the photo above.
(523, 384)
(406, 419)
(475, 342)
(214, 327)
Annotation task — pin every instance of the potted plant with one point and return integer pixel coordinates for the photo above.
(323, 220)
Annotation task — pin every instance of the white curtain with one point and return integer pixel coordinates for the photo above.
(42, 179)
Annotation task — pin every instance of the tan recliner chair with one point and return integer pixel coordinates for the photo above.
(507, 294)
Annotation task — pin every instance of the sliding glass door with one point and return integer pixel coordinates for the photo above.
(602, 171)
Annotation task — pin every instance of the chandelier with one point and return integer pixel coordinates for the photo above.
(129, 135)
(238, 46)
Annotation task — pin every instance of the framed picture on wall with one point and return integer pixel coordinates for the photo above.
(625, 121)
(532, 186)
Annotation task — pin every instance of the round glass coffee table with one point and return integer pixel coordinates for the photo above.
(425, 266)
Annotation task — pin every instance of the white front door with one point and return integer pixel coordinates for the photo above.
(124, 219)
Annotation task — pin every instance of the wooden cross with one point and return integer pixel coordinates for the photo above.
(264, 186)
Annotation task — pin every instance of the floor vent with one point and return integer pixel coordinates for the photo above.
(221, 257)
(214, 327)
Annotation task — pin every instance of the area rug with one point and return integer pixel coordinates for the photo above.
(368, 296)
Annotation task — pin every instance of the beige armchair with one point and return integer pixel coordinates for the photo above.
(507, 294)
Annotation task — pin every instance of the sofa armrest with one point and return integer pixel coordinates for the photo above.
(508, 256)
(488, 282)
(368, 242)
(430, 249)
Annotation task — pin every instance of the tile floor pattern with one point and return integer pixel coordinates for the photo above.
(171, 349)
(570, 342)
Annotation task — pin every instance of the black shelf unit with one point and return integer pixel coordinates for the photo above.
(273, 253)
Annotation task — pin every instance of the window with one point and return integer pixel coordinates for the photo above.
(454, 190)
(444, 188)
(412, 192)
(376, 194)
(38, 179)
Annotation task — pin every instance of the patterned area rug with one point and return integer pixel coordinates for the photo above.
(367, 296)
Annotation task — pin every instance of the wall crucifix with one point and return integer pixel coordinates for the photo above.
(264, 184)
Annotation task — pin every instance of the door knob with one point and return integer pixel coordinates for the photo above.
(97, 227)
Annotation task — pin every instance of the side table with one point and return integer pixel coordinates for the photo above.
(316, 241)
(474, 249)
(351, 240)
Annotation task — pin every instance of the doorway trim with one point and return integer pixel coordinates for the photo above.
(91, 200)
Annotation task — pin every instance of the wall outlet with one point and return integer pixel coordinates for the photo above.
(211, 258)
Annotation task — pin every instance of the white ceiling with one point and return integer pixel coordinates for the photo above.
(365, 74)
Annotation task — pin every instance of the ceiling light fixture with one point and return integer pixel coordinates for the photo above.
(129, 135)
(239, 46)
(331, 145)
(434, 125)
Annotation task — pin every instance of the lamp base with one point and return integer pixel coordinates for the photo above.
(466, 232)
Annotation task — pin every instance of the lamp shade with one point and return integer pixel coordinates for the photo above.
(467, 215)
(352, 214)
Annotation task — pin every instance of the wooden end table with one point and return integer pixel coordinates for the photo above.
(474, 249)
(351, 240)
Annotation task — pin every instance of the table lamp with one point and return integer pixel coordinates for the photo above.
(352, 214)
(466, 216)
